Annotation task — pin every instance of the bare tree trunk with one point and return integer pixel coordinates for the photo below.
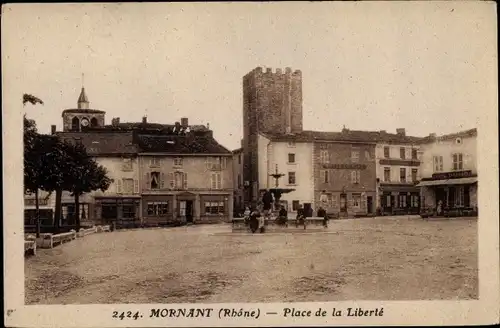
(57, 212)
(77, 210)
(37, 214)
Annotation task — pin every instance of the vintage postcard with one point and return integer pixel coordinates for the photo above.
(250, 164)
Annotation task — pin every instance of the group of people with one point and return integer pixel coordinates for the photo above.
(257, 216)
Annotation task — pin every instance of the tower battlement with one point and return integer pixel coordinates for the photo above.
(268, 71)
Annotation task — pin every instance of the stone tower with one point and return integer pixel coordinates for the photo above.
(272, 102)
(82, 117)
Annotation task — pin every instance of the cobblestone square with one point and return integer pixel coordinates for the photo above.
(403, 258)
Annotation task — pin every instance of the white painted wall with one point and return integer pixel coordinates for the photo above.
(446, 149)
(274, 153)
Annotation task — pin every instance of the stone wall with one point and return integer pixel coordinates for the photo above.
(272, 102)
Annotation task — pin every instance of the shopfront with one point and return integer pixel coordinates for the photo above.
(122, 212)
(215, 208)
(347, 203)
(450, 193)
(158, 210)
(399, 200)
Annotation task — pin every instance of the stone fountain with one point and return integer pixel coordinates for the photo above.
(277, 191)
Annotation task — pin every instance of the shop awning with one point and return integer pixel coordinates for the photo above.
(460, 181)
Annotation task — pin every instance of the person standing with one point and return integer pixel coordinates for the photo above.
(322, 214)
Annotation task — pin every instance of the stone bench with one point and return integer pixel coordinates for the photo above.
(85, 232)
(105, 228)
(50, 240)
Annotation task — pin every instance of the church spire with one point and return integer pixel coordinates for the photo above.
(83, 101)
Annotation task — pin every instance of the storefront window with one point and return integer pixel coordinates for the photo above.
(402, 201)
(214, 208)
(157, 208)
(356, 200)
(128, 211)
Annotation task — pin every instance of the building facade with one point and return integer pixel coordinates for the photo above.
(345, 177)
(292, 158)
(182, 186)
(162, 174)
(272, 102)
(449, 172)
(398, 172)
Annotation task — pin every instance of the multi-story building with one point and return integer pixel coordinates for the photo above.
(272, 102)
(161, 173)
(335, 170)
(290, 156)
(238, 183)
(398, 172)
(185, 178)
(449, 171)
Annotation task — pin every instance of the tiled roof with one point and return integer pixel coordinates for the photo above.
(86, 111)
(344, 136)
(103, 143)
(149, 126)
(174, 144)
(451, 136)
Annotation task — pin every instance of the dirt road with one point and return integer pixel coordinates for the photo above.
(364, 259)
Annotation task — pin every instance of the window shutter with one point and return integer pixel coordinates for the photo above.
(353, 176)
(219, 181)
(358, 176)
(162, 180)
(136, 186)
(147, 181)
(185, 181)
(172, 180)
(212, 181)
(207, 162)
(119, 186)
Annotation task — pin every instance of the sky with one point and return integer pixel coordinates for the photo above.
(373, 66)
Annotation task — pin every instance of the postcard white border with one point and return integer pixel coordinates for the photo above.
(482, 311)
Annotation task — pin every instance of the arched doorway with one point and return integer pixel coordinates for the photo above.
(93, 122)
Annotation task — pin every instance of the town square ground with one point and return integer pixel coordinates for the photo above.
(403, 258)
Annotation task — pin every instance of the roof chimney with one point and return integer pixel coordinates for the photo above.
(184, 122)
(144, 120)
(52, 129)
(401, 132)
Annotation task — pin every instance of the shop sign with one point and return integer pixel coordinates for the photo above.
(452, 175)
(345, 166)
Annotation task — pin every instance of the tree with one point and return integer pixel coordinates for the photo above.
(32, 168)
(84, 175)
(27, 98)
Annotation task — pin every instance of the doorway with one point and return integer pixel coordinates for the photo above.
(186, 210)
(369, 204)
(109, 212)
(343, 203)
(308, 210)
